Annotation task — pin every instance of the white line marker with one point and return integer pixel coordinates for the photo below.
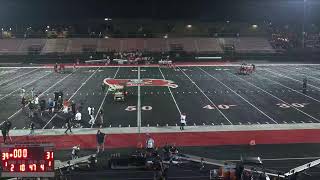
(280, 99)
(239, 95)
(25, 85)
(42, 94)
(104, 98)
(290, 89)
(173, 98)
(207, 97)
(18, 76)
(318, 88)
(73, 94)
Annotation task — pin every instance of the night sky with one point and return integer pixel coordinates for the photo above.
(73, 11)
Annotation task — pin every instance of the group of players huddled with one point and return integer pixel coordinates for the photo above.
(246, 69)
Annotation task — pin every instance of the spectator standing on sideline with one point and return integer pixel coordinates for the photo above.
(75, 151)
(68, 124)
(23, 92)
(100, 141)
(5, 128)
(51, 105)
(182, 121)
(32, 92)
(4, 132)
(304, 85)
(36, 101)
(78, 118)
(31, 128)
(42, 106)
(150, 142)
(91, 114)
(101, 118)
(31, 109)
(23, 102)
(73, 108)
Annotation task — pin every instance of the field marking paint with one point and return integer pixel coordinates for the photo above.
(239, 96)
(82, 84)
(279, 99)
(25, 85)
(207, 98)
(318, 88)
(303, 73)
(139, 105)
(174, 100)
(43, 93)
(19, 76)
(104, 98)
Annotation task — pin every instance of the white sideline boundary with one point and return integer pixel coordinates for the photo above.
(171, 129)
(155, 65)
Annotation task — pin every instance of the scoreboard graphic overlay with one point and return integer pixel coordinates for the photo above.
(27, 160)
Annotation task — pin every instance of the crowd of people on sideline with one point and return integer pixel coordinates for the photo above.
(134, 57)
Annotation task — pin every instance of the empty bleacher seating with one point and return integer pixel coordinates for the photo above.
(79, 45)
(132, 44)
(31, 46)
(253, 44)
(10, 46)
(156, 45)
(110, 44)
(205, 45)
(55, 46)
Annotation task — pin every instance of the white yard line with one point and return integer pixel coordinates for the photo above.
(240, 96)
(278, 98)
(207, 97)
(25, 85)
(18, 76)
(281, 75)
(288, 88)
(43, 93)
(139, 104)
(174, 100)
(305, 74)
(72, 95)
(104, 98)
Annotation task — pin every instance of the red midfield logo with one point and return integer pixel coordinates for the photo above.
(139, 82)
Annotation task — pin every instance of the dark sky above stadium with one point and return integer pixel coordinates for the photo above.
(73, 11)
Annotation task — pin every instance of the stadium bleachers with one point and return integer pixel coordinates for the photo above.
(28, 45)
(110, 44)
(81, 45)
(208, 45)
(157, 44)
(253, 44)
(55, 46)
(10, 46)
(187, 44)
(132, 44)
